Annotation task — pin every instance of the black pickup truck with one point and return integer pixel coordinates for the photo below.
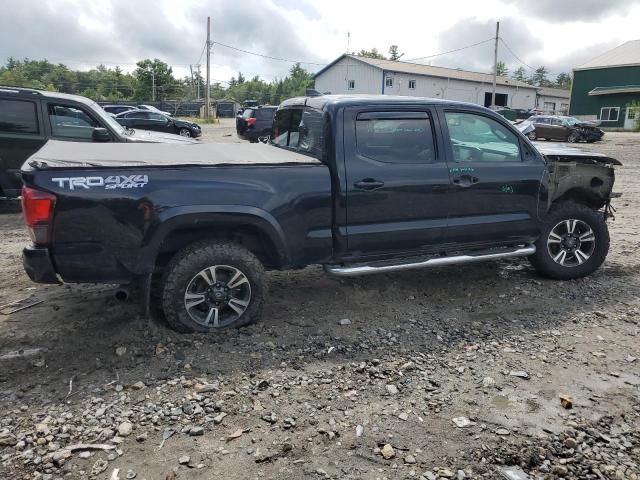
(357, 184)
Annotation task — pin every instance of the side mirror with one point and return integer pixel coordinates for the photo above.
(101, 135)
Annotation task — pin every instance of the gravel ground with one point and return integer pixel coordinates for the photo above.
(447, 373)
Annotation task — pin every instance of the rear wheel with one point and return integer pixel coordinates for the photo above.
(574, 242)
(208, 286)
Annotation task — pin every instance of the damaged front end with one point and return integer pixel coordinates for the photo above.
(582, 176)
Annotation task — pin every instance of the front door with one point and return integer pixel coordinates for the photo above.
(397, 183)
(496, 179)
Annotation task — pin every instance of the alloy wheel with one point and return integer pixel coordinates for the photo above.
(217, 296)
(571, 243)
(185, 133)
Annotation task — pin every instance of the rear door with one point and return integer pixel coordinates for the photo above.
(496, 179)
(21, 135)
(397, 182)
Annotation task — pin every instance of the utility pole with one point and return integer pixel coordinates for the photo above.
(207, 108)
(198, 83)
(495, 66)
(153, 84)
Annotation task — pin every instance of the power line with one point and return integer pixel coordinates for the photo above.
(515, 56)
(452, 51)
(269, 56)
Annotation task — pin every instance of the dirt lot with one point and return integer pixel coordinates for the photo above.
(450, 373)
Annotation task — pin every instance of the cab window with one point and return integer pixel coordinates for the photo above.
(395, 137)
(476, 138)
(299, 129)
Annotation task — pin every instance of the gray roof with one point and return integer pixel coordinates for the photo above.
(554, 92)
(429, 70)
(624, 55)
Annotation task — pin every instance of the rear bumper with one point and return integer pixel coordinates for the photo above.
(38, 265)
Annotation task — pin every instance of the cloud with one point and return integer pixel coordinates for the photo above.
(561, 11)
(480, 58)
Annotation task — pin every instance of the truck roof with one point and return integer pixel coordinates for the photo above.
(323, 102)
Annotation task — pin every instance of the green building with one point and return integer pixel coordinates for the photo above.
(604, 87)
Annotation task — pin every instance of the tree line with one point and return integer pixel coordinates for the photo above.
(151, 79)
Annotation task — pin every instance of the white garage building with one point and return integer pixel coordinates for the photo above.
(354, 74)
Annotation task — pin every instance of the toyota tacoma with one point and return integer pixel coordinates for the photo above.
(358, 184)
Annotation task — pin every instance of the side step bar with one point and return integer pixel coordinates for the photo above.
(357, 270)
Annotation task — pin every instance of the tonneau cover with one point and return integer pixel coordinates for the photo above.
(58, 154)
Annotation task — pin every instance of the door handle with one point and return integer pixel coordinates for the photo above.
(368, 184)
(465, 181)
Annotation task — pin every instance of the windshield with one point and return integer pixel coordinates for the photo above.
(107, 118)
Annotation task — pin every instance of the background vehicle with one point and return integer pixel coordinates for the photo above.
(28, 118)
(117, 109)
(565, 129)
(358, 184)
(255, 122)
(146, 120)
(151, 108)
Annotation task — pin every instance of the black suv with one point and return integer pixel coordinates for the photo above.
(255, 122)
(28, 118)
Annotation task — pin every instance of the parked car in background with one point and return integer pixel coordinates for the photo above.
(513, 114)
(157, 122)
(117, 109)
(565, 129)
(255, 122)
(151, 108)
(28, 118)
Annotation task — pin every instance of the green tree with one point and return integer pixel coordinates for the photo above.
(519, 74)
(501, 69)
(394, 54)
(563, 80)
(540, 77)
(154, 72)
(373, 53)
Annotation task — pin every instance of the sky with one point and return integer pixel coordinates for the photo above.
(559, 34)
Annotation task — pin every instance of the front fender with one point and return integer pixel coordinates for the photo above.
(197, 216)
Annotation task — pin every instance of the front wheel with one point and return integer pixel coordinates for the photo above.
(208, 286)
(185, 132)
(573, 243)
(532, 135)
(574, 137)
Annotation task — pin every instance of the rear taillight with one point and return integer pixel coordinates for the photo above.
(37, 209)
(251, 121)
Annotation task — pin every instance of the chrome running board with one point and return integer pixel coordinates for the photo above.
(352, 271)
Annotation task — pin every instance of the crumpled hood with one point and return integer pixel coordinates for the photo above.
(147, 136)
(560, 152)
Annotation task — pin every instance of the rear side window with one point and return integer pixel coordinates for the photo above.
(17, 116)
(395, 137)
(265, 114)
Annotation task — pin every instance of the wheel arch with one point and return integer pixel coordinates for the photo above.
(582, 196)
(251, 227)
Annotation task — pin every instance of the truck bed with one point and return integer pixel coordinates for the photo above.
(56, 154)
